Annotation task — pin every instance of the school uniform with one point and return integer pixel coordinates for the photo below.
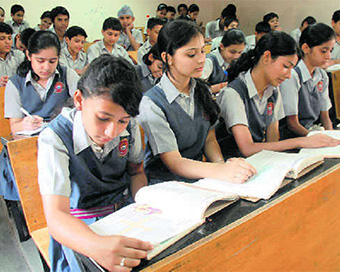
(216, 43)
(250, 43)
(172, 121)
(65, 59)
(335, 54)
(95, 179)
(125, 42)
(27, 93)
(63, 44)
(304, 96)
(241, 105)
(17, 28)
(9, 65)
(296, 34)
(145, 48)
(214, 70)
(146, 77)
(213, 30)
(98, 49)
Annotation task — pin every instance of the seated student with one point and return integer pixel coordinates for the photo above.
(170, 13)
(96, 154)
(160, 13)
(229, 23)
(335, 55)
(73, 55)
(296, 33)
(261, 29)
(177, 115)
(45, 21)
(182, 9)
(20, 41)
(39, 86)
(273, 20)
(108, 45)
(215, 28)
(154, 26)
(305, 94)
(9, 58)
(60, 19)
(251, 105)
(2, 15)
(18, 24)
(130, 38)
(151, 69)
(231, 10)
(193, 12)
(230, 49)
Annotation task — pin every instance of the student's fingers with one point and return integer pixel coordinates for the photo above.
(248, 167)
(137, 244)
(128, 262)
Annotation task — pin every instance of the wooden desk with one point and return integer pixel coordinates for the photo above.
(334, 93)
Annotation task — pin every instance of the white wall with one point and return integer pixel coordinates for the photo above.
(90, 14)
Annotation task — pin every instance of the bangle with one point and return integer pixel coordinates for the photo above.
(219, 160)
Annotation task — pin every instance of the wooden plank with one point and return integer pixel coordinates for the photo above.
(134, 56)
(41, 238)
(297, 232)
(336, 91)
(5, 129)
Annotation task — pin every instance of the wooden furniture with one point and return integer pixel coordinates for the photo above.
(5, 129)
(23, 157)
(134, 56)
(207, 48)
(141, 28)
(335, 92)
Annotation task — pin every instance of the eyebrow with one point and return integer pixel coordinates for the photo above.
(46, 58)
(109, 114)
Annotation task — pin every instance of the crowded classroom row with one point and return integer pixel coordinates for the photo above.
(261, 92)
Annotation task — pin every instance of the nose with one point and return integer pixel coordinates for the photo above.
(328, 55)
(111, 130)
(201, 57)
(289, 73)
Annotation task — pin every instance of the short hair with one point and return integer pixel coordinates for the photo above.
(5, 28)
(46, 14)
(229, 20)
(75, 31)
(171, 9)
(112, 23)
(193, 8)
(155, 53)
(336, 16)
(161, 6)
(25, 35)
(229, 11)
(309, 19)
(57, 11)
(152, 22)
(262, 27)
(269, 16)
(182, 6)
(16, 8)
(233, 36)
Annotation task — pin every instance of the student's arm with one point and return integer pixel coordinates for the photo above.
(212, 149)
(132, 39)
(26, 123)
(294, 126)
(325, 120)
(138, 177)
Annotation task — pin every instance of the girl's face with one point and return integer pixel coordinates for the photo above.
(2, 16)
(156, 67)
(274, 23)
(44, 63)
(45, 23)
(319, 56)
(188, 61)
(103, 119)
(233, 24)
(232, 52)
(193, 15)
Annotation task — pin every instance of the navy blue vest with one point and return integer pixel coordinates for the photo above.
(190, 135)
(30, 100)
(146, 84)
(217, 75)
(94, 183)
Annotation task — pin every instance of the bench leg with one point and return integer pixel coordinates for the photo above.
(15, 211)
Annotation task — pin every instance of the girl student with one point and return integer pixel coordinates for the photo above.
(229, 23)
(251, 105)
(96, 158)
(230, 49)
(305, 94)
(151, 69)
(178, 113)
(45, 21)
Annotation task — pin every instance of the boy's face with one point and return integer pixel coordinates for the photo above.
(161, 13)
(182, 11)
(274, 23)
(75, 44)
(2, 16)
(126, 21)
(110, 36)
(336, 27)
(18, 17)
(45, 23)
(5, 43)
(170, 15)
(61, 23)
(193, 15)
(153, 33)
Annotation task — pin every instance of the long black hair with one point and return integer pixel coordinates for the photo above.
(277, 43)
(175, 35)
(316, 34)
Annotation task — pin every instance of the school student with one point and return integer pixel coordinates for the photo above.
(178, 115)
(9, 59)
(17, 23)
(273, 20)
(215, 28)
(305, 95)
(335, 55)
(193, 12)
(182, 9)
(229, 23)
(154, 26)
(130, 38)
(73, 55)
(251, 105)
(2, 15)
(108, 45)
(45, 21)
(96, 167)
(296, 33)
(217, 62)
(60, 19)
(170, 13)
(151, 69)
(160, 13)
(261, 29)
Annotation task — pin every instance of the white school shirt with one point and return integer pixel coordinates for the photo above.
(250, 43)
(17, 28)
(335, 54)
(212, 29)
(98, 49)
(216, 43)
(12, 96)
(53, 159)
(63, 44)
(65, 59)
(296, 34)
(209, 66)
(145, 48)
(9, 65)
(125, 42)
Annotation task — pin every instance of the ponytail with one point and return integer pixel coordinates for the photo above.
(245, 62)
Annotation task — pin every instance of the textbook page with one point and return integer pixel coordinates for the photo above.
(32, 132)
(327, 152)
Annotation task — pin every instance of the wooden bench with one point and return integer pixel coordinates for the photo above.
(133, 55)
(5, 128)
(23, 157)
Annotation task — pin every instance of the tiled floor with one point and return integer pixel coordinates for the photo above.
(15, 256)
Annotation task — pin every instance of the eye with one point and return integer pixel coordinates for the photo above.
(103, 119)
(123, 122)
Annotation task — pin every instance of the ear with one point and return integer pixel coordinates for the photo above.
(164, 57)
(266, 57)
(67, 40)
(333, 23)
(222, 46)
(305, 48)
(78, 100)
(27, 55)
(133, 19)
(148, 32)
(103, 32)
(151, 58)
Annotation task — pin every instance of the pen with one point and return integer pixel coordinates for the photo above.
(26, 113)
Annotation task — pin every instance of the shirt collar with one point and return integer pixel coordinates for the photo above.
(252, 91)
(29, 77)
(217, 27)
(145, 70)
(220, 58)
(102, 46)
(306, 75)
(68, 55)
(8, 55)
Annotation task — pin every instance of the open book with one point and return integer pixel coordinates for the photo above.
(32, 132)
(327, 152)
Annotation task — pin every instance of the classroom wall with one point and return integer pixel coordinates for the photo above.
(91, 13)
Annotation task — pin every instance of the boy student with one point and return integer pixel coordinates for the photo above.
(154, 26)
(193, 12)
(273, 20)
(20, 41)
(60, 19)
(108, 45)
(182, 9)
(9, 58)
(261, 29)
(17, 23)
(296, 33)
(215, 28)
(335, 55)
(73, 56)
(160, 13)
(170, 14)
(131, 39)
(229, 23)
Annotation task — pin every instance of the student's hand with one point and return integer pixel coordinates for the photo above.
(3, 81)
(236, 170)
(30, 124)
(207, 40)
(113, 249)
(129, 28)
(319, 140)
(217, 87)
